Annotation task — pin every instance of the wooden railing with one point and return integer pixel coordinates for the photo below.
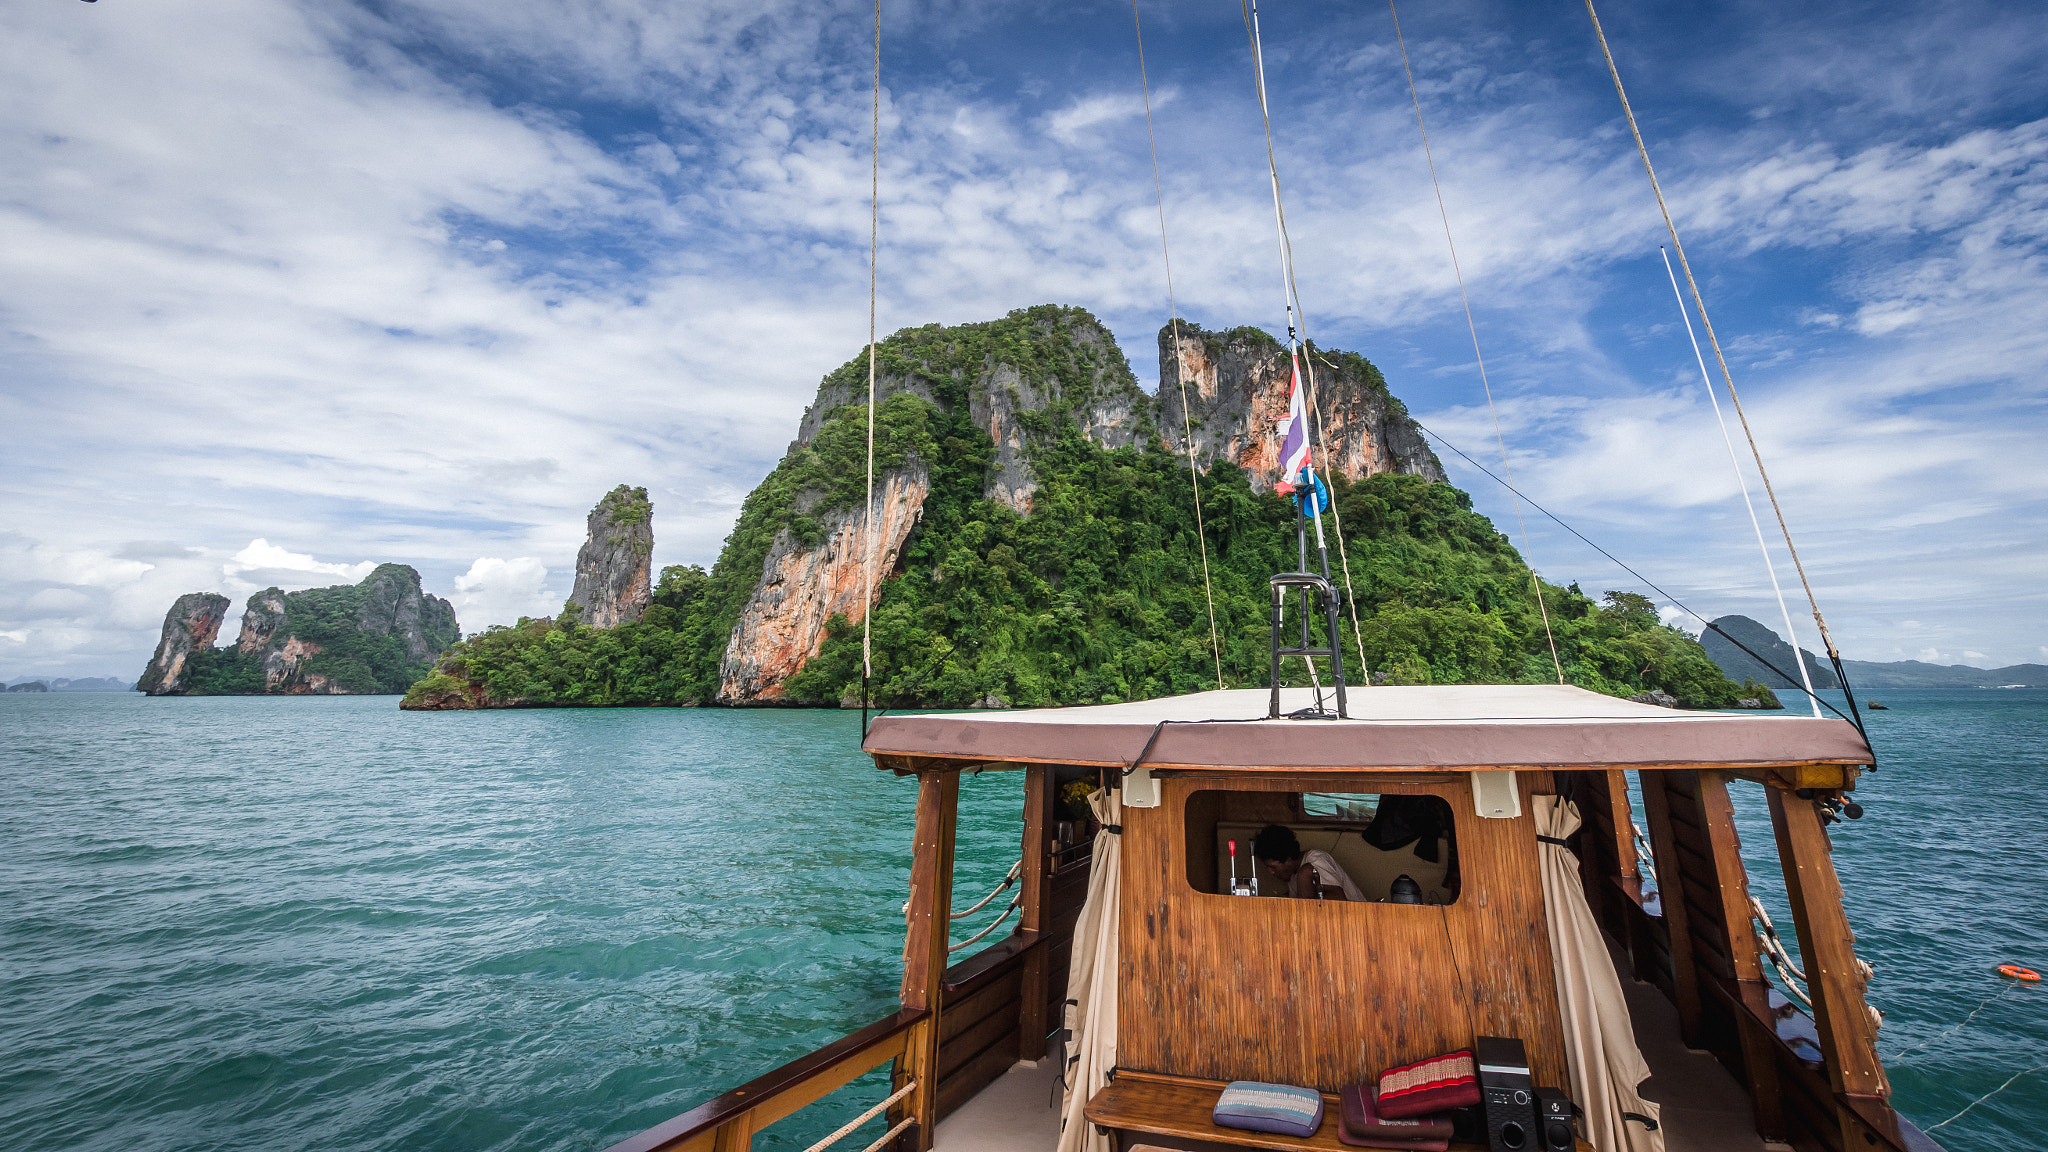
(962, 1026)
(726, 1123)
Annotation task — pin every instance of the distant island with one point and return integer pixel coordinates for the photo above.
(67, 684)
(1035, 544)
(377, 636)
(1862, 673)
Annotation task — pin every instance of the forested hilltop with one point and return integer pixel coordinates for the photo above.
(1035, 544)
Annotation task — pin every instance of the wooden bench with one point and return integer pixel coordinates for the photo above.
(1140, 1104)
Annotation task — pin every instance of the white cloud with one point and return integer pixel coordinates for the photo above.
(262, 555)
(496, 591)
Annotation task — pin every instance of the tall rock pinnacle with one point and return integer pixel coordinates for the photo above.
(613, 580)
(189, 627)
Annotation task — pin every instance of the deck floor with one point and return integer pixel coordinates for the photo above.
(1703, 1108)
(1020, 1112)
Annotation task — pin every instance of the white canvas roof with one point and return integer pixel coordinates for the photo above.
(1431, 728)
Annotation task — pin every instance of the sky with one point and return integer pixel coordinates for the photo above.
(290, 289)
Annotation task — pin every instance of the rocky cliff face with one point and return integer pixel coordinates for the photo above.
(801, 588)
(1036, 366)
(1237, 385)
(613, 577)
(190, 625)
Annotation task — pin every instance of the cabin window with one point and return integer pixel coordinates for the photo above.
(1343, 806)
(1375, 840)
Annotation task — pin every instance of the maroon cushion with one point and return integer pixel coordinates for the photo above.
(1361, 1118)
(1437, 1084)
(1361, 1126)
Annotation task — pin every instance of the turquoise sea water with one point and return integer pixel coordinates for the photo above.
(324, 924)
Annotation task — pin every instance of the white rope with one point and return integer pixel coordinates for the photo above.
(863, 1118)
(1535, 585)
(1015, 870)
(1986, 1003)
(1791, 636)
(1789, 974)
(891, 1134)
(997, 923)
(867, 649)
(1727, 378)
(1179, 371)
(1989, 1095)
(1292, 296)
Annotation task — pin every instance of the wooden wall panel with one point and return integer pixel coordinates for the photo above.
(1327, 993)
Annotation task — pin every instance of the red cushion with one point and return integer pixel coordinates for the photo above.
(1362, 1126)
(1437, 1084)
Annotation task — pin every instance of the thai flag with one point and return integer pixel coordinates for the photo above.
(1293, 436)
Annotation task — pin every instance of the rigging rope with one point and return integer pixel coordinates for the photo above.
(1179, 370)
(1535, 585)
(867, 566)
(1727, 378)
(1998, 995)
(1990, 1094)
(1791, 636)
(1651, 584)
(1292, 295)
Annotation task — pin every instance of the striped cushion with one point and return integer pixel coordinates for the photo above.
(1279, 1108)
(1437, 1084)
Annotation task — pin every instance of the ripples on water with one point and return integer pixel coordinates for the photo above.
(320, 923)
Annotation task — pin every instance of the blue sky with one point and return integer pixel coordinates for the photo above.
(290, 289)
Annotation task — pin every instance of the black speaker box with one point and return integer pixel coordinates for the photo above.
(1507, 1095)
(1555, 1119)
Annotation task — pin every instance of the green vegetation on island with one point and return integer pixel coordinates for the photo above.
(1097, 595)
(376, 636)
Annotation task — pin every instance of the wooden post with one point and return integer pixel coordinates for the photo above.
(1834, 977)
(1685, 984)
(1623, 821)
(735, 1135)
(924, 945)
(1759, 1059)
(1037, 858)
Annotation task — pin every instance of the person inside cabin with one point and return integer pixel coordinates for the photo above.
(1308, 874)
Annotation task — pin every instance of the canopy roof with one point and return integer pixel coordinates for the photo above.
(1467, 727)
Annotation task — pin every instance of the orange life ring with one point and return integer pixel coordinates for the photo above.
(2019, 973)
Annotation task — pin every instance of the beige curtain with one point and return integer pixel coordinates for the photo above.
(1599, 1043)
(1090, 1018)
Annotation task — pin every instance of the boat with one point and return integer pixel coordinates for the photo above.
(1328, 904)
(1183, 988)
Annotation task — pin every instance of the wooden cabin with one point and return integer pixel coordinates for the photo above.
(1211, 987)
